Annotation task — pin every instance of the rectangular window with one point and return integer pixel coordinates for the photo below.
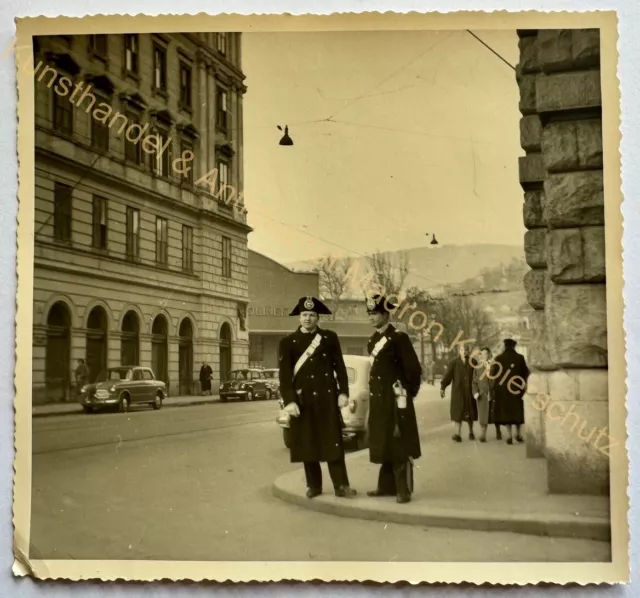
(222, 120)
(161, 240)
(62, 114)
(223, 170)
(186, 145)
(98, 45)
(226, 257)
(185, 86)
(222, 43)
(159, 68)
(132, 151)
(131, 53)
(99, 132)
(160, 161)
(133, 233)
(100, 222)
(187, 248)
(62, 204)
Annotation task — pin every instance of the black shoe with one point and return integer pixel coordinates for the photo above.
(403, 498)
(345, 492)
(499, 436)
(509, 440)
(519, 438)
(456, 438)
(483, 439)
(378, 493)
(313, 492)
(472, 436)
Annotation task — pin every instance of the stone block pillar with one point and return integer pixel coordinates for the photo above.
(566, 406)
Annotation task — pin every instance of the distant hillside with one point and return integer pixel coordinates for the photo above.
(434, 267)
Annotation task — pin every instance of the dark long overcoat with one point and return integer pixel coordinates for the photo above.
(509, 405)
(397, 360)
(463, 406)
(316, 434)
(205, 377)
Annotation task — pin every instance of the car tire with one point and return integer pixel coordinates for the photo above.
(249, 395)
(223, 399)
(88, 409)
(124, 404)
(286, 437)
(157, 403)
(267, 395)
(362, 441)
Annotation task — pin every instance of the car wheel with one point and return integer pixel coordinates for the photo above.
(267, 394)
(157, 403)
(223, 399)
(123, 405)
(362, 441)
(250, 395)
(87, 409)
(286, 436)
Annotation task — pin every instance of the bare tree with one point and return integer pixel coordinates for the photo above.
(334, 280)
(389, 273)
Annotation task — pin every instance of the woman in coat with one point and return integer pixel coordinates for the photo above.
(206, 374)
(463, 405)
(482, 384)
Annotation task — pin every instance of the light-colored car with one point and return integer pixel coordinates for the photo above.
(355, 414)
(122, 387)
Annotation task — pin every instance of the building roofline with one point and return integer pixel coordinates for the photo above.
(290, 270)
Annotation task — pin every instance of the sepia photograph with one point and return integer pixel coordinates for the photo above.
(320, 298)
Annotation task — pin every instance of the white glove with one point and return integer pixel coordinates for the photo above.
(292, 409)
(343, 400)
(475, 396)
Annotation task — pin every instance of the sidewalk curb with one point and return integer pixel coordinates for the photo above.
(164, 406)
(590, 528)
(289, 487)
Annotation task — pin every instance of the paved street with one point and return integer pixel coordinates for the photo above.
(195, 484)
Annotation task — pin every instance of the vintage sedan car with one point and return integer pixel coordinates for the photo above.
(123, 387)
(355, 414)
(246, 385)
(273, 380)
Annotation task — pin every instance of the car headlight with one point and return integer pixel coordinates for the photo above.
(242, 386)
(221, 386)
(84, 388)
(113, 388)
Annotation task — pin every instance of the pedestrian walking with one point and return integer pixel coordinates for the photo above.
(81, 375)
(431, 377)
(314, 386)
(482, 385)
(394, 381)
(206, 373)
(509, 410)
(462, 406)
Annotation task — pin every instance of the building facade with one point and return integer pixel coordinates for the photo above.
(137, 261)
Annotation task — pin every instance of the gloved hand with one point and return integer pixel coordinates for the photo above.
(476, 395)
(442, 393)
(343, 400)
(292, 409)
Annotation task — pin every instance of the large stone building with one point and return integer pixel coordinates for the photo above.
(562, 178)
(134, 261)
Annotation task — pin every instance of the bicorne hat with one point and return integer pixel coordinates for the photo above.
(310, 304)
(509, 342)
(379, 304)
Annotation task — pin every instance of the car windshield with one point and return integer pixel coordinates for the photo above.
(271, 374)
(114, 374)
(239, 375)
(351, 375)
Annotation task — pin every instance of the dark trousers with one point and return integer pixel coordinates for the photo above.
(396, 478)
(337, 471)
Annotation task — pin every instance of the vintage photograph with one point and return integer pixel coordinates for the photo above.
(330, 293)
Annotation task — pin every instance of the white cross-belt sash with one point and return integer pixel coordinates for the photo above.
(381, 343)
(315, 343)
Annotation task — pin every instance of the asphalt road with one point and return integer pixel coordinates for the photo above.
(195, 484)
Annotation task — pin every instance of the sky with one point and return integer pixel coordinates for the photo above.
(397, 135)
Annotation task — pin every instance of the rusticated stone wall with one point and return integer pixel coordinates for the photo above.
(561, 174)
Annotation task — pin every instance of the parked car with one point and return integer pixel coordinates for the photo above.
(355, 414)
(122, 387)
(273, 380)
(246, 385)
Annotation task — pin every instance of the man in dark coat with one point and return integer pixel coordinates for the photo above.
(463, 405)
(314, 386)
(394, 381)
(205, 377)
(509, 388)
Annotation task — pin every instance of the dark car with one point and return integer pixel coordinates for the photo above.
(273, 380)
(122, 387)
(246, 385)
